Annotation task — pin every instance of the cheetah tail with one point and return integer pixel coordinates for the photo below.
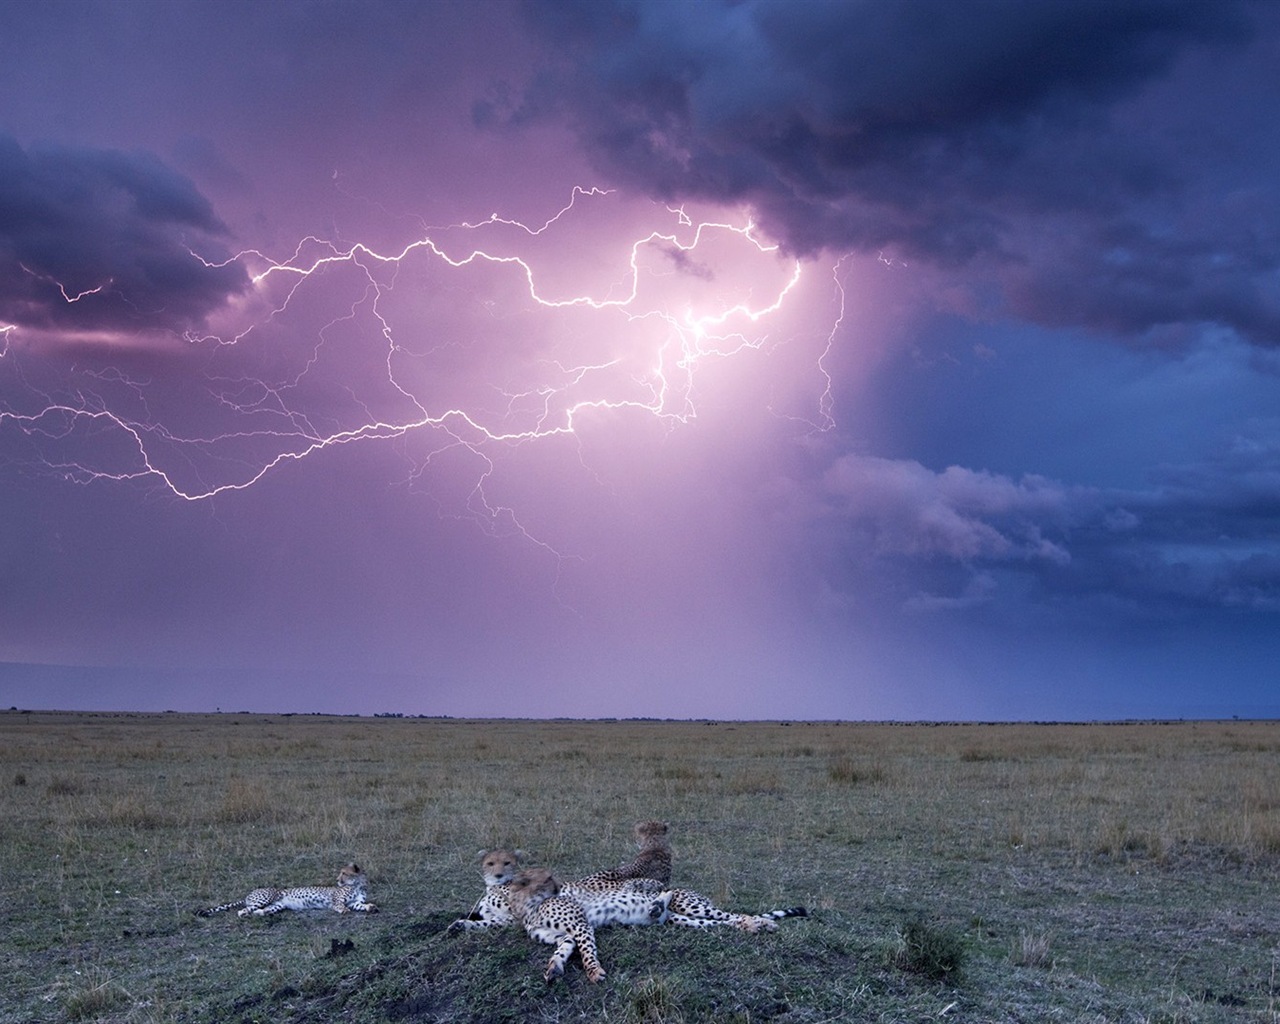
(788, 912)
(210, 911)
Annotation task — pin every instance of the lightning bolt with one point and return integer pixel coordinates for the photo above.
(631, 326)
(63, 288)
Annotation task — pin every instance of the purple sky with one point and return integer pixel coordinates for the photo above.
(756, 359)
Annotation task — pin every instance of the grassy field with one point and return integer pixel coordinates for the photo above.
(982, 873)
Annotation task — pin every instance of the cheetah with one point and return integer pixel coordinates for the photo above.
(493, 909)
(687, 909)
(606, 899)
(652, 861)
(348, 894)
(558, 920)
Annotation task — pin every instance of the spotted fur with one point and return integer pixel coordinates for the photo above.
(692, 910)
(687, 909)
(556, 920)
(348, 894)
(636, 901)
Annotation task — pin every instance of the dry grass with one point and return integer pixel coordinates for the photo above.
(1032, 949)
(1084, 872)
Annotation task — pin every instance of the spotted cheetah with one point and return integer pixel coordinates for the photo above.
(652, 861)
(348, 894)
(557, 920)
(688, 909)
(493, 909)
(629, 902)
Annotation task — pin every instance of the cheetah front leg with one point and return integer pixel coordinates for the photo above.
(342, 902)
(590, 958)
(555, 966)
(586, 947)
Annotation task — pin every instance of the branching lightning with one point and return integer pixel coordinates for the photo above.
(97, 290)
(472, 337)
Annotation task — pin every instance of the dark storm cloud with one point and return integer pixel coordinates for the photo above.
(1202, 536)
(118, 225)
(953, 132)
(1207, 532)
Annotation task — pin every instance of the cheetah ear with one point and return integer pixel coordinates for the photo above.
(355, 867)
(520, 854)
(480, 854)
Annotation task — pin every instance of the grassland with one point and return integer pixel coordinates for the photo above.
(991, 873)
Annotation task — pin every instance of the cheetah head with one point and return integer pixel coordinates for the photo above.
(530, 888)
(651, 834)
(351, 875)
(499, 866)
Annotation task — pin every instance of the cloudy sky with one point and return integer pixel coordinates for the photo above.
(869, 359)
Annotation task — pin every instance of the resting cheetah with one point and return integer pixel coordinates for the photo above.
(557, 920)
(348, 894)
(653, 860)
(687, 908)
(493, 909)
(606, 900)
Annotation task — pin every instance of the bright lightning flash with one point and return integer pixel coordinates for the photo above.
(474, 339)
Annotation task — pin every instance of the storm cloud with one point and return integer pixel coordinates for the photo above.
(97, 241)
(999, 136)
(1202, 536)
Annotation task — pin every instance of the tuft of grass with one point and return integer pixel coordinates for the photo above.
(131, 811)
(246, 802)
(1032, 949)
(930, 950)
(752, 783)
(94, 996)
(846, 770)
(60, 785)
(655, 1001)
(978, 755)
